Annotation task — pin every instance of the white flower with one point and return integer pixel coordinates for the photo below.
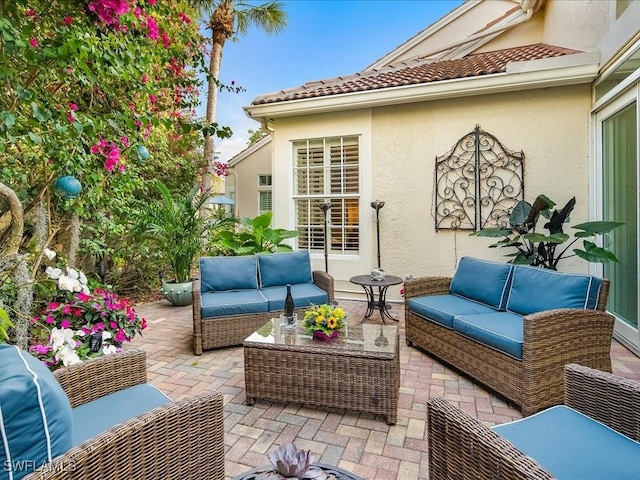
(82, 277)
(85, 290)
(109, 349)
(106, 335)
(73, 273)
(50, 254)
(62, 338)
(65, 283)
(68, 356)
(53, 273)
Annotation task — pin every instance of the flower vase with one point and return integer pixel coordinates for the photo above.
(318, 335)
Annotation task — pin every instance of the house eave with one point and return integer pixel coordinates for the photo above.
(516, 78)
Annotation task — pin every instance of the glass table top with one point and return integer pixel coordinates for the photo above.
(366, 338)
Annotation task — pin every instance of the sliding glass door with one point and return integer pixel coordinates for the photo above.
(618, 135)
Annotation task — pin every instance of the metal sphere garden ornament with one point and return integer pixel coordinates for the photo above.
(143, 153)
(68, 185)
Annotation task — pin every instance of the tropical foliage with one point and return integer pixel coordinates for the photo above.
(177, 228)
(255, 235)
(547, 249)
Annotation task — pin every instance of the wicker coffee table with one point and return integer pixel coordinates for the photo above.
(360, 370)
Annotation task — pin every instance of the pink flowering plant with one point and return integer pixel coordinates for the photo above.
(63, 333)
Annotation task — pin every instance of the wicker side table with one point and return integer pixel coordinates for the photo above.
(360, 370)
(333, 473)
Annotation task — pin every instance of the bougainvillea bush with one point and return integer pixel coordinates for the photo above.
(84, 85)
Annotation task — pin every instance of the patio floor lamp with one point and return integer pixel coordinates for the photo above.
(377, 205)
(325, 206)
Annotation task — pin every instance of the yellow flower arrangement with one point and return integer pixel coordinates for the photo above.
(324, 318)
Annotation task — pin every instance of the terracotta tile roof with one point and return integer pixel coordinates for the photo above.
(416, 72)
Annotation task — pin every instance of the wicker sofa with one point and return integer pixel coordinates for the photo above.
(234, 296)
(99, 419)
(595, 436)
(513, 328)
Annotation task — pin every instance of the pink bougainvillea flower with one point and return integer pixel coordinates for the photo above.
(65, 323)
(108, 11)
(33, 42)
(71, 118)
(68, 20)
(30, 12)
(73, 107)
(184, 18)
(125, 141)
(152, 28)
(152, 2)
(113, 325)
(165, 39)
(144, 78)
(49, 319)
(153, 98)
(53, 306)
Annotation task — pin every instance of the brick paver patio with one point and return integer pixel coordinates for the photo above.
(357, 442)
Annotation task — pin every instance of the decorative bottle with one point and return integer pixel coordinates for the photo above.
(288, 303)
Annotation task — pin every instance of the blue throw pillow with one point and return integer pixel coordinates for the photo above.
(483, 281)
(35, 414)
(536, 289)
(219, 274)
(278, 269)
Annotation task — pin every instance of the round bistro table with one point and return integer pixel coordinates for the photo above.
(333, 473)
(368, 284)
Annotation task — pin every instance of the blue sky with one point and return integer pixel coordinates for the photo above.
(323, 39)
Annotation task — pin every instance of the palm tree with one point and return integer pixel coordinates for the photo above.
(227, 18)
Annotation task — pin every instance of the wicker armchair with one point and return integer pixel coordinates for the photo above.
(181, 440)
(462, 447)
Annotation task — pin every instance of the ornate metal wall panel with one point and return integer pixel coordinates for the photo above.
(477, 183)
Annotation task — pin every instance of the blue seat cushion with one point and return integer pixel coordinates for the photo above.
(304, 294)
(228, 273)
(573, 446)
(500, 330)
(535, 289)
(239, 302)
(483, 281)
(97, 416)
(278, 269)
(35, 414)
(442, 308)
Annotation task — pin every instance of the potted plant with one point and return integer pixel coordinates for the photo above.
(324, 322)
(177, 227)
(546, 250)
(289, 462)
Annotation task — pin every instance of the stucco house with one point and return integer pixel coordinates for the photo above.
(497, 101)
(250, 179)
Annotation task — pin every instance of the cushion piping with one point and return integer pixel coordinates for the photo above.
(5, 441)
(43, 414)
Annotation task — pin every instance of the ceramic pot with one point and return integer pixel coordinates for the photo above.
(69, 186)
(143, 153)
(179, 294)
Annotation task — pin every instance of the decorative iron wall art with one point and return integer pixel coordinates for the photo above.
(477, 183)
